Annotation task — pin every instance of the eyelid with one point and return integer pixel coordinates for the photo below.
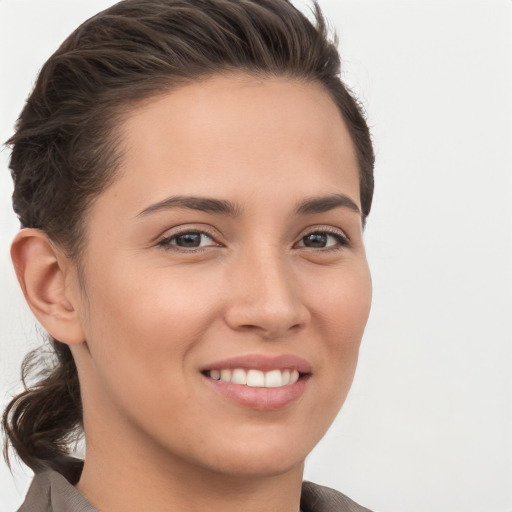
(331, 230)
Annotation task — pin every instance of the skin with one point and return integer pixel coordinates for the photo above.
(149, 315)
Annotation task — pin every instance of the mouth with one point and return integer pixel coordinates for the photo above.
(258, 382)
(255, 378)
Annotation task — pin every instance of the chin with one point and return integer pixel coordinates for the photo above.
(251, 466)
(259, 458)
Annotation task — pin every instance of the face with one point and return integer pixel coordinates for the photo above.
(226, 287)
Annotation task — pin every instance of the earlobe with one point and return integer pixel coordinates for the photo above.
(44, 274)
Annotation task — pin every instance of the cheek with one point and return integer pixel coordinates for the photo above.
(150, 303)
(140, 333)
(342, 305)
(144, 325)
(341, 316)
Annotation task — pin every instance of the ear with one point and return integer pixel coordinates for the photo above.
(49, 282)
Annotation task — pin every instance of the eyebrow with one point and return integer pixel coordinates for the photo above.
(325, 204)
(204, 204)
(231, 209)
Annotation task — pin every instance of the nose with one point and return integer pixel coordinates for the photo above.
(265, 297)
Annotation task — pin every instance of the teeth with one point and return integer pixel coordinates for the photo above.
(256, 378)
(239, 377)
(273, 379)
(225, 375)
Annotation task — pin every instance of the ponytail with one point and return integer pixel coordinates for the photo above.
(43, 421)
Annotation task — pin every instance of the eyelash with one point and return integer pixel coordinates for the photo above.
(342, 240)
(166, 244)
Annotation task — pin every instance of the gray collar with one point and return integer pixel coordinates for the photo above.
(51, 492)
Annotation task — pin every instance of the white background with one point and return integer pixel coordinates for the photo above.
(428, 424)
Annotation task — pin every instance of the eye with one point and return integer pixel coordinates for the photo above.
(188, 240)
(323, 240)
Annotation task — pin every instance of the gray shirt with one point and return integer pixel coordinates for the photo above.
(51, 492)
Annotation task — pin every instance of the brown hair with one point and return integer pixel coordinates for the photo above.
(65, 151)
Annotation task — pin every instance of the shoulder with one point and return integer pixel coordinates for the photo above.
(317, 498)
(38, 495)
(51, 492)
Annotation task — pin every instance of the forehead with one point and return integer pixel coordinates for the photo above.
(237, 134)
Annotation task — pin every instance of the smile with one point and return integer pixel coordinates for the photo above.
(257, 381)
(255, 378)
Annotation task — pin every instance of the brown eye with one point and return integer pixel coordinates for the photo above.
(322, 240)
(316, 240)
(188, 240)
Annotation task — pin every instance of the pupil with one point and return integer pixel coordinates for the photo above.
(189, 240)
(315, 240)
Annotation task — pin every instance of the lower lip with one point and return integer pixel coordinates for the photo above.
(261, 399)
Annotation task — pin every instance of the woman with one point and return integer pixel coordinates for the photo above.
(192, 178)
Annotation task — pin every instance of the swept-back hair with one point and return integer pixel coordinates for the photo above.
(66, 148)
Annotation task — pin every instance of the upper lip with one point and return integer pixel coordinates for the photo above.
(262, 363)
